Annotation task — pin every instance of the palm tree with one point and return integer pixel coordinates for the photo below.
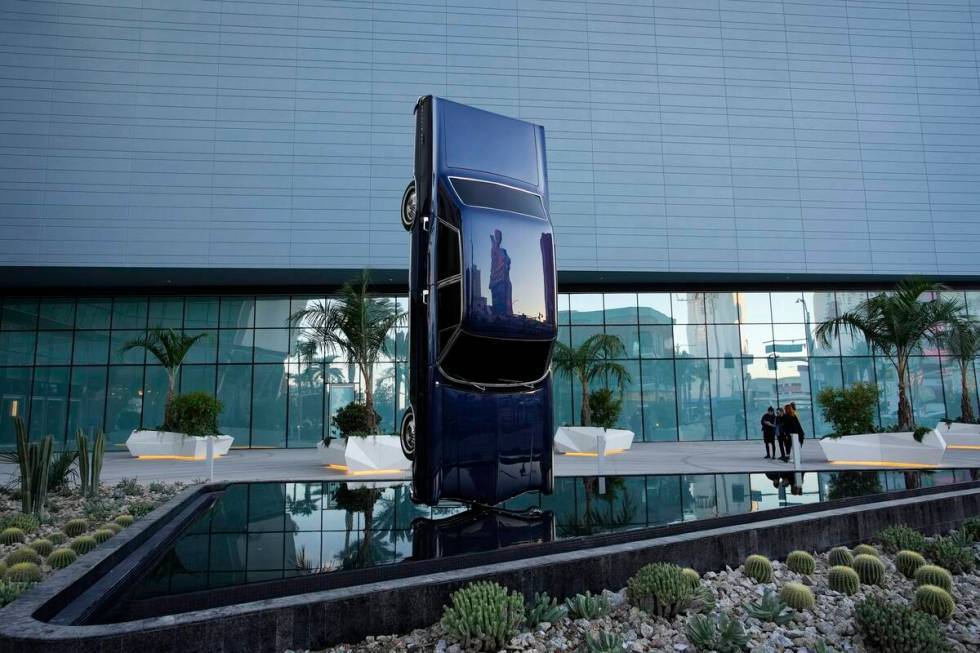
(962, 342)
(895, 324)
(170, 348)
(588, 361)
(356, 324)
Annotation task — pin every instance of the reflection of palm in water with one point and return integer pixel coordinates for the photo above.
(608, 515)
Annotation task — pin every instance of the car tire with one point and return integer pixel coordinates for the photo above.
(407, 434)
(409, 206)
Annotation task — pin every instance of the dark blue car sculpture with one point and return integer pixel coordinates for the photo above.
(479, 427)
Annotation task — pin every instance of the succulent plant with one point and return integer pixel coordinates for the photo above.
(870, 570)
(692, 577)
(124, 520)
(771, 608)
(953, 553)
(113, 526)
(102, 535)
(801, 562)
(586, 606)
(42, 546)
(75, 527)
(972, 527)
(934, 575)
(720, 633)
(23, 554)
(56, 538)
(543, 609)
(24, 521)
(84, 544)
(935, 601)
(483, 616)
(12, 535)
(844, 580)
(758, 568)
(797, 596)
(840, 556)
(907, 562)
(603, 643)
(893, 628)
(866, 550)
(61, 558)
(901, 538)
(660, 589)
(23, 572)
(10, 590)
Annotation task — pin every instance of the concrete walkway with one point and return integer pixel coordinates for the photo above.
(643, 458)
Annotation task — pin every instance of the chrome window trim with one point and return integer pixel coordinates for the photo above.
(497, 208)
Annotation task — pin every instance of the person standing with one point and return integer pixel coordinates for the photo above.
(781, 435)
(791, 426)
(769, 432)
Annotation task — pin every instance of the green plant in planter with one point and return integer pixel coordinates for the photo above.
(196, 414)
(840, 556)
(25, 522)
(908, 562)
(483, 616)
(75, 527)
(10, 590)
(587, 606)
(843, 579)
(84, 544)
(866, 549)
(935, 601)
(850, 410)
(758, 568)
(934, 575)
(893, 628)
(659, 589)
(23, 554)
(356, 420)
(102, 535)
(23, 572)
(900, 537)
(61, 558)
(797, 596)
(124, 520)
(33, 461)
(870, 570)
(605, 407)
(90, 465)
(12, 536)
(692, 577)
(972, 528)
(720, 633)
(953, 552)
(771, 608)
(801, 562)
(593, 360)
(603, 643)
(113, 526)
(543, 609)
(56, 538)
(42, 546)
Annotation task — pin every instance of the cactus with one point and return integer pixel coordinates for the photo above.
(758, 568)
(90, 466)
(544, 609)
(3, 568)
(844, 580)
(113, 526)
(42, 546)
(935, 601)
(870, 569)
(934, 575)
(124, 520)
(801, 562)
(907, 562)
(797, 596)
(893, 628)
(75, 527)
(953, 553)
(483, 616)
(720, 633)
(61, 558)
(26, 523)
(56, 538)
(12, 536)
(34, 460)
(840, 556)
(84, 544)
(692, 577)
(866, 550)
(23, 572)
(586, 606)
(770, 608)
(901, 538)
(102, 535)
(660, 589)
(23, 554)
(603, 643)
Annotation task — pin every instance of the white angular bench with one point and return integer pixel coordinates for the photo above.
(959, 435)
(886, 449)
(584, 440)
(169, 445)
(360, 456)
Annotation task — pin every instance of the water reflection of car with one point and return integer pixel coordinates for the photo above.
(479, 426)
(476, 531)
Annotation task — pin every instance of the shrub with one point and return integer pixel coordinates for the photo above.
(758, 568)
(840, 556)
(139, 509)
(660, 589)
(844, 580)
(770, 608)
(869, 569)
(42, 546)
(935, 601)
(692, 577)
(12, 535)
(721, 633)
(102, 535)
(603, 643)
(10, 590)
(25, 522)
(950, 553)
(56, 538)
(801, 562)
(850, 410)
(933, 575)
(354, 420)
(483, 616)
(124, 520)
(75, 527)
(84, 544)
(920, 432)
(893, 628)
(23, 554)
(586, 606)
(61, 558)
(867, 550)
(797, 596)
(901, 538)
(907, 562)
(605, 407)
(23, 572)
(543, 609)
(195, 413)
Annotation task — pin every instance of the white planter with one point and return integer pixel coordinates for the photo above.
(375, 453)
(584, 440)
(959, 435)
(332, 454)
(166, 444)
(885, 449)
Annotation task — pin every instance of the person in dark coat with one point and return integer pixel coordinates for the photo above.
(789, 427)
(780, 435)
(769, 432)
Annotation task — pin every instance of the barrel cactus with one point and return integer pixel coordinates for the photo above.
(42, 546)
(61, 558)
(23, 572)
(659, 589)
(75, 527)
(114, 527)
(869, 568)
(124, 520)
(840, 556)
(758, 568)
(935, 601)
(801, 562)
(843, 579)
(692, 577)
(797, 596)
(102, 535)
(84, 544)
(483, 616)
(896, 628)
(56, 538)
(908, 562)
(3, 568)
(866, 550)
(23, 554)
(934, 575)
(12, 535)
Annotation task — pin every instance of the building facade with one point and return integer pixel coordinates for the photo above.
(723, 175)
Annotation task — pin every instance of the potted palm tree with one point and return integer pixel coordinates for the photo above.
(593, 359)
(961, 343)
(188, 420)
(356, 325)
(895, 324)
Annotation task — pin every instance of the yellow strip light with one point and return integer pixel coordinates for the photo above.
(592, 454)
(162, 457)
(362, 472)
(881, 463)
(964, 446)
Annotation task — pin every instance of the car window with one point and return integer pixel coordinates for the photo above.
(497, 196)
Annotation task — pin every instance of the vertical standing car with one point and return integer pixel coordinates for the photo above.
(482, 324)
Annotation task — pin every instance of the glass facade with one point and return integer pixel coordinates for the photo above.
(702, 365)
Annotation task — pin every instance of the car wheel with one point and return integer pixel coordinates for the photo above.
(407, 434)
(409, 206)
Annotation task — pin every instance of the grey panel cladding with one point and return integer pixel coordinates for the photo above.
(747, 136)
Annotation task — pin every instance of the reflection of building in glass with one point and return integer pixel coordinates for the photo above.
(548, 270)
